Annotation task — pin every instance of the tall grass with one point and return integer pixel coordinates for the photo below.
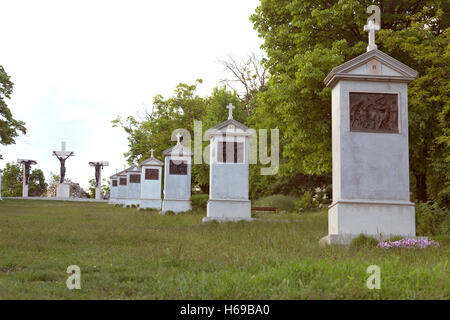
(131, 254)
(282, 202)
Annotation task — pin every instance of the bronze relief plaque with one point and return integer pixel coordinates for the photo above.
(135, 178)
(151, 174)
(374, 112)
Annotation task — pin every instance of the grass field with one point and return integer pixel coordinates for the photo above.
(130, 254)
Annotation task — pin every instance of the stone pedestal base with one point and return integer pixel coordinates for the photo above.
(150, 204)
(347, 219)
(63, 190)
(25, 191)
(228, 210)
(98, 193)
(176, 205)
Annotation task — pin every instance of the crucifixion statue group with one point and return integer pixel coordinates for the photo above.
(63, 188)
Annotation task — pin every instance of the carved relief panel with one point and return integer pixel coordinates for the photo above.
(374, 112)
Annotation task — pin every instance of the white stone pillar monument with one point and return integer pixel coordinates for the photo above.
(113, 189)
(370, 163)
(122, 187)
(98, 165)
(133, 186)
(26, 166)
(151, 183)
(228, 178)
(177, 178)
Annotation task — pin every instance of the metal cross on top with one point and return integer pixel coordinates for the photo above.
(371, 28)
(230, 108)
(151, 151)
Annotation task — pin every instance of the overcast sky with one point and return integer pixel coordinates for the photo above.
(77, 65)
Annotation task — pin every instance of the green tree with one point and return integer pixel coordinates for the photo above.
(9, 127)
(304, 40)
(12, 179)
(37, 185)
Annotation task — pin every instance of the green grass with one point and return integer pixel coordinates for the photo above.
(280, 201)
(131, 254)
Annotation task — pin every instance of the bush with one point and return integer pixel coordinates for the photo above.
(169, 213)
(431, 220)
(280, 201)
(363, 241)
(199, 201)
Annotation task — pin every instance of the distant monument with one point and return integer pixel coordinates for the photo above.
(63, 189)
(229, 171)
(177, 178)
(370, 147)
(26, 163)
(98, 165)
(113, 188)
(151, 182)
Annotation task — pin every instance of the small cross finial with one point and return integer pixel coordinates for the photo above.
(179, 135)
(230, 108)
(151, 151)
(371, 28)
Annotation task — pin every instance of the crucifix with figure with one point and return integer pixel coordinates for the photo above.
(26, 174)
(98, 177)
(62, 157)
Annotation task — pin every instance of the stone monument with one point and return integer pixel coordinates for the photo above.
(151, 183)
(26, 164)
(133, 186)
(98, 165)
(228, 177)
(122, 187)
(370, 147)
(177, 178)
(113, 188)
(63, 189)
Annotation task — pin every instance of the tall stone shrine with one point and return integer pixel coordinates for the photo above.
(113, 189)
(151, 175)
(228, 177)
(133, 186)
(177, 178)
(369, 96)
(122, 188)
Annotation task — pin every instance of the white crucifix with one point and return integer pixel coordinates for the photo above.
(371, 28)
(151, 151)
(230, 108)
(63, 152)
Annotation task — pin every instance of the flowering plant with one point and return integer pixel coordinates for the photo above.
(409, 243)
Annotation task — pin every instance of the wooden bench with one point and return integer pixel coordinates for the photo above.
(265, 209)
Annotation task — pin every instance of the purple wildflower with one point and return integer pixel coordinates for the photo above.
(409, 243)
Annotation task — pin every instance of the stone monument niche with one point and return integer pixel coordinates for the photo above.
(133, 186)
(26, 164)
(177, 178)
(121, 187)
(151, 182)
(369, 96)
(229, 165)
(114, 185)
